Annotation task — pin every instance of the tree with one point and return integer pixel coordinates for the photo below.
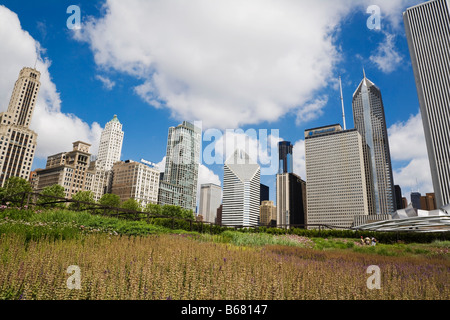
(171, 211)
(13, 186)
(110, 200)
(52, 191)
(153, 209)
(83, 196)
(131, 204)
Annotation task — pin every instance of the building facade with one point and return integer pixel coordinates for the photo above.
(369, 117)
(398, 197)
(71, 170)
(179, 184)
(291, 201)
(264, 193)
(335, 172)
(17, 141)
(428, 202)
(241, 183)
(210, 201)
(109, 152)
(415, 199)
(135, 180)
(267, 214)
(427, 28)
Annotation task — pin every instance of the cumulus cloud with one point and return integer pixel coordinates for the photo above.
(386, 57)
(298, 159)
(56, 130)
(227, 63)
(408, 148)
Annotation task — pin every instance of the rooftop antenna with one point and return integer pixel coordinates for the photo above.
(342, 101)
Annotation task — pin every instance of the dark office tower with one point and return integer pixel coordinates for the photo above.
(291, 200)
(428, 32)
(368, 114)
(415, 200)
(263, 193)
(285, 156)
(398, 197)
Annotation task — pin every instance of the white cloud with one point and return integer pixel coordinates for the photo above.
(408, 147)
(311, 111)
(298, 159)
(56, 130)
(386, 58)
(227, 63)
(108, 84)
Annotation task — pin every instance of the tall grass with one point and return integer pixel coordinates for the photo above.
(177, 267)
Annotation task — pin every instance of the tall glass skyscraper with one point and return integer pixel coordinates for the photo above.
(428, 32)
(179, 185)
(368, 114)
(285, 157)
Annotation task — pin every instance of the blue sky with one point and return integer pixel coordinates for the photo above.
(230, 64)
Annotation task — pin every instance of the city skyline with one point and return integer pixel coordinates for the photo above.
(115, 89)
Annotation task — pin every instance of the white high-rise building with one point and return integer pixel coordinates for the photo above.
(110, 148)
(241, 191)
(109, 152)
(428, 33)
(17, 141)
(179, 184)
(210, 201)
(336, 178)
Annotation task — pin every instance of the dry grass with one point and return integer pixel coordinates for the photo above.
(179, 268)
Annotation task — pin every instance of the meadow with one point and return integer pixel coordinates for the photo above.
(124, 260)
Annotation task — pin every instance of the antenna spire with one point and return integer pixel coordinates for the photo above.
(342, 102)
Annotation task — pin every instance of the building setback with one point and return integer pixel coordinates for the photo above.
(335, 171)
(17, 141)
(179, 184)
(241, 183)
(291, 200)
(70, 170)
(427, 28)
(134, 180)
(369, 117)
(210, 201)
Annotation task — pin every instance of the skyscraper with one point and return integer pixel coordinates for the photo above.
(109, 152)
(335, 171)
(179, 184)
(264, 193)
(17, 141)
(241, 183)
(428, 33)
(368, 114)
(291, 200)
(285, 156)
(210, 201)
(110, 147)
